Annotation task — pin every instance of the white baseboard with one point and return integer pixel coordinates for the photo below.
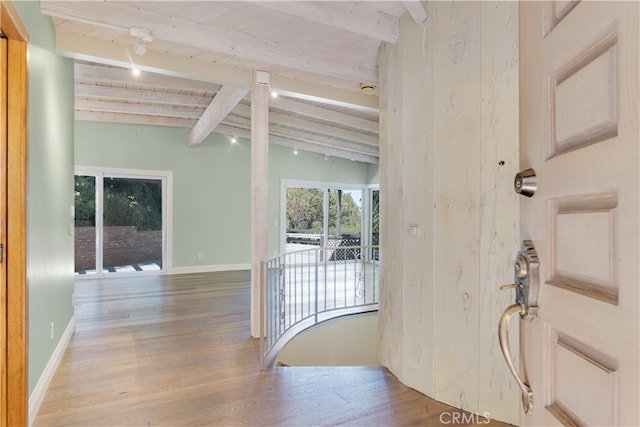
(209, 268)
(39, 391)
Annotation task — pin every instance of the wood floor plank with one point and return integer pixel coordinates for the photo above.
(176, 351)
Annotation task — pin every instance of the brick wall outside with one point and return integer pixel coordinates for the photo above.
(85, 248)
(122, 245)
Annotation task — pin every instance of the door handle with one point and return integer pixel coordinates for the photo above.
(527, 277)
(503, 338)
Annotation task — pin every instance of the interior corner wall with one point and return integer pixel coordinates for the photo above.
(373, 174)
(49, 190)
(449, 216)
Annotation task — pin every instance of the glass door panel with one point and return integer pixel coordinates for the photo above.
(345, 220)
(305, 218)
(85, 224)
(375, 221)
(132, 227)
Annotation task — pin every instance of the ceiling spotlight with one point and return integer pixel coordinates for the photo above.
(135, 72)
(295, 151)
(274, 94)
(142, 36)
(234, 140)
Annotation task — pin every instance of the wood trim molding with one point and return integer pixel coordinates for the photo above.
(16, 411)
(3, 233)
(16, 254)
(12, 26)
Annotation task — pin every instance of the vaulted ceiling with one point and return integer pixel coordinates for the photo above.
(199, 60)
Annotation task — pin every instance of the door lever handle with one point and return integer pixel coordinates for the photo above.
(503, 338)
(527, 277)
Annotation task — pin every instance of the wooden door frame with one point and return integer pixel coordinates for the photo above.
(14, 408)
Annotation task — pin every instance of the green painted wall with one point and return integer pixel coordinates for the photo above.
(50, 189)
(211, 183)
(373, 174)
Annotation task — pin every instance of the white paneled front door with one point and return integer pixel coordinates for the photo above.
(579, 96)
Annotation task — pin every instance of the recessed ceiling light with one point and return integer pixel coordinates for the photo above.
(367, 88)
(135, 72)
(274, 94)
(234, 140)
(295, 151)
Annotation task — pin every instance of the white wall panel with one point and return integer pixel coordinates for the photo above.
(499, 207)
(417, 207)
(391, 235)
(457, 218)
(449, 151)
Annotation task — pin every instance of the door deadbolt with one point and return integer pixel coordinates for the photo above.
(521, 268)
(526, 182)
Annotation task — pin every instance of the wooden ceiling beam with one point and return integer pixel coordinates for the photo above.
(305, 136)
(101, 116)
(140, 109)
(324, 114)
(140, 95)
(78, 46)
(300, 145)
(346, 16)
(296, 123)
(177, 30)
(105, 74)
(225, 100)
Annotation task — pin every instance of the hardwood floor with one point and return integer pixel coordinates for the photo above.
(176, 351)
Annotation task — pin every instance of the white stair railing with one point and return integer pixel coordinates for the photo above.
(302, 288)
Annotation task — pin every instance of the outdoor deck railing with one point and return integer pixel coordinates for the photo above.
(302, 288)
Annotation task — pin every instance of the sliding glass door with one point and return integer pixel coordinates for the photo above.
(374, 219)
(321, 214)
(344, 224)
(304, 218)
(120, 222)
(132, 224)
(85, 223)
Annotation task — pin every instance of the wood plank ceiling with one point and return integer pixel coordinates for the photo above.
(200, 59)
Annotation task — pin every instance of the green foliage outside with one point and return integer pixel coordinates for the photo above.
(375, 211)
(305, 207)
(350, 218)
(127, 202)
(85, 201)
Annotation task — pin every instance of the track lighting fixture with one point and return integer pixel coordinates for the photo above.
(142, 36)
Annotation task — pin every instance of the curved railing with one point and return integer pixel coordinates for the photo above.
(302, 288)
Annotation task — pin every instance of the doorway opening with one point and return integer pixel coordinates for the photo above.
(120, 222)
